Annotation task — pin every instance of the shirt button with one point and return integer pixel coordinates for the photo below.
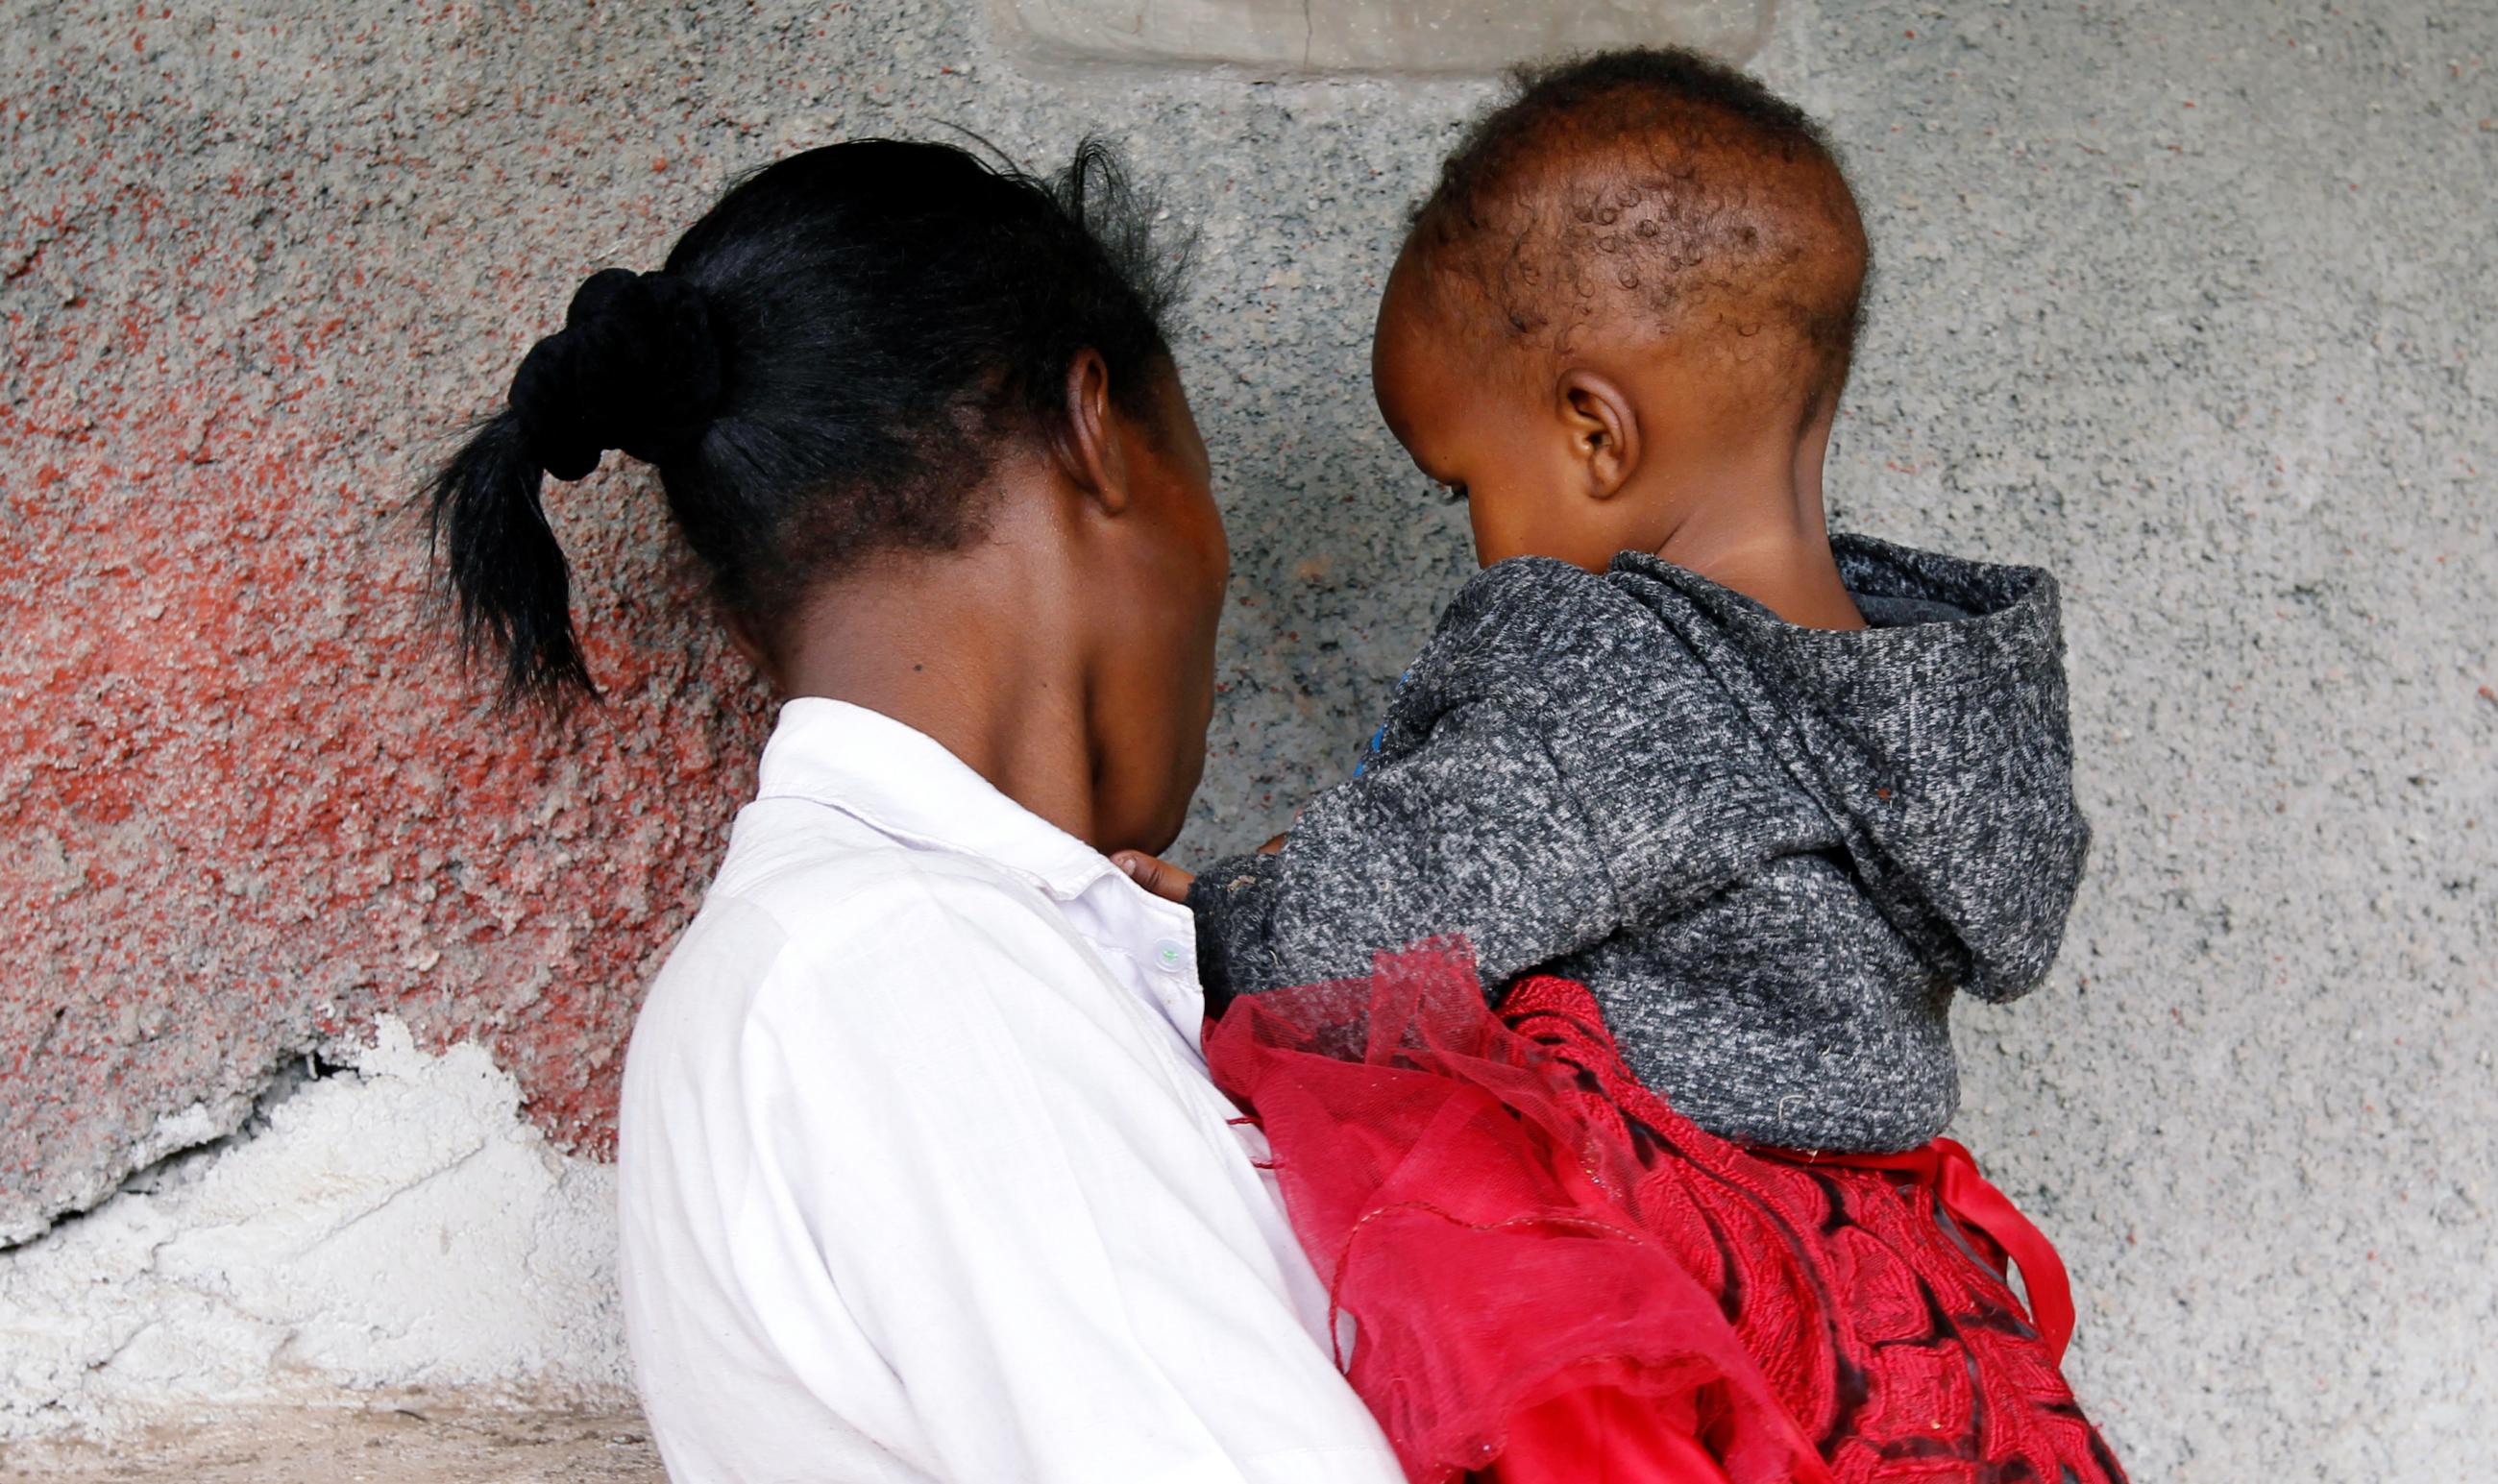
(1171, 956)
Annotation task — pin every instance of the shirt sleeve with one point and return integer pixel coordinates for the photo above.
(1002, 1170)
(1473, 833)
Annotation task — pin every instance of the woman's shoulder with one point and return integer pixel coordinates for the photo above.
(819, 868)
(838, 890)
(855, 950)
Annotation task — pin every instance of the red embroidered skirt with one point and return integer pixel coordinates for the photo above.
(1554, 1277)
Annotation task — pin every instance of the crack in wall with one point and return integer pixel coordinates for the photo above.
(277, 1083)
(386, 1221)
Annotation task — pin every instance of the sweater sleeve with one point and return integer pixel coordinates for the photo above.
(1474, 834)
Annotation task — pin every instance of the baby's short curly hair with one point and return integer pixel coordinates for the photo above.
(1661, 177)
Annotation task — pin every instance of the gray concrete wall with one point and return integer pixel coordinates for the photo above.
(2190, 303)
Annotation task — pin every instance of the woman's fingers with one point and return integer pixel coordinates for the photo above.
(1156, 874)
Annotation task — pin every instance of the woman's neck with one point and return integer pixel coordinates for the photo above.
(965, 647)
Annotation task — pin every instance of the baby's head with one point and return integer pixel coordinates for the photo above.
(1623, 318)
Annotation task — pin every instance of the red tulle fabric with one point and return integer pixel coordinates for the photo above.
(1552, 1277)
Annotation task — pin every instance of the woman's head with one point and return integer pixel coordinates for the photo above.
(830, 368)
(825, 369)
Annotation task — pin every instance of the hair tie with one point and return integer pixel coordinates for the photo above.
(635, 367)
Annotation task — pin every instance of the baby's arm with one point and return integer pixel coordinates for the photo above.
(1473, 833)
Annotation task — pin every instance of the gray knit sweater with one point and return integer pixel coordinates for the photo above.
(1771, 852)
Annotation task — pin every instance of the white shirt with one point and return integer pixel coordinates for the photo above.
(921, 1172)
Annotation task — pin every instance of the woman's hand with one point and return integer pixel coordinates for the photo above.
(1156, 874)
(1171, 882)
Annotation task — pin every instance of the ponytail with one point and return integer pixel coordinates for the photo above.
(504, 567)
(635, 367)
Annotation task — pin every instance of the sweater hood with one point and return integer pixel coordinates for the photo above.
(1938, 741)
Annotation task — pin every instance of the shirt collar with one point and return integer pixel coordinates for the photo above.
(905, 784)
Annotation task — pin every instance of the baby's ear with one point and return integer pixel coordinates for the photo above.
(1603, 430)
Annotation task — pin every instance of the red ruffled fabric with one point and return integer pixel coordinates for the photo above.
(1554, 1277)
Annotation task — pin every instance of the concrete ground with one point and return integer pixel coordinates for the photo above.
(404, 1438)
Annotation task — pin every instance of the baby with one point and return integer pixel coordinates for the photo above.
(1772, 796)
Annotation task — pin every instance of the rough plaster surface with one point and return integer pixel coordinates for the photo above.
(394, 1224)
(2191, 302)
(1274, 40)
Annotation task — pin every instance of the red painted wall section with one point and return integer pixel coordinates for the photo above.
(249, 797)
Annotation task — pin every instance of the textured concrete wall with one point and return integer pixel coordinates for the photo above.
(2191, 303)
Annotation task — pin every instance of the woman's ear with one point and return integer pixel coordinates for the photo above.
(1088, 449)
(1604, 431)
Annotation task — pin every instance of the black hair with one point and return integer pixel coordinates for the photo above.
(1658, 172)
(823, 370)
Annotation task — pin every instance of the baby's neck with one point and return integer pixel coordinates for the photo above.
(1750, 518)
(1780, 559)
